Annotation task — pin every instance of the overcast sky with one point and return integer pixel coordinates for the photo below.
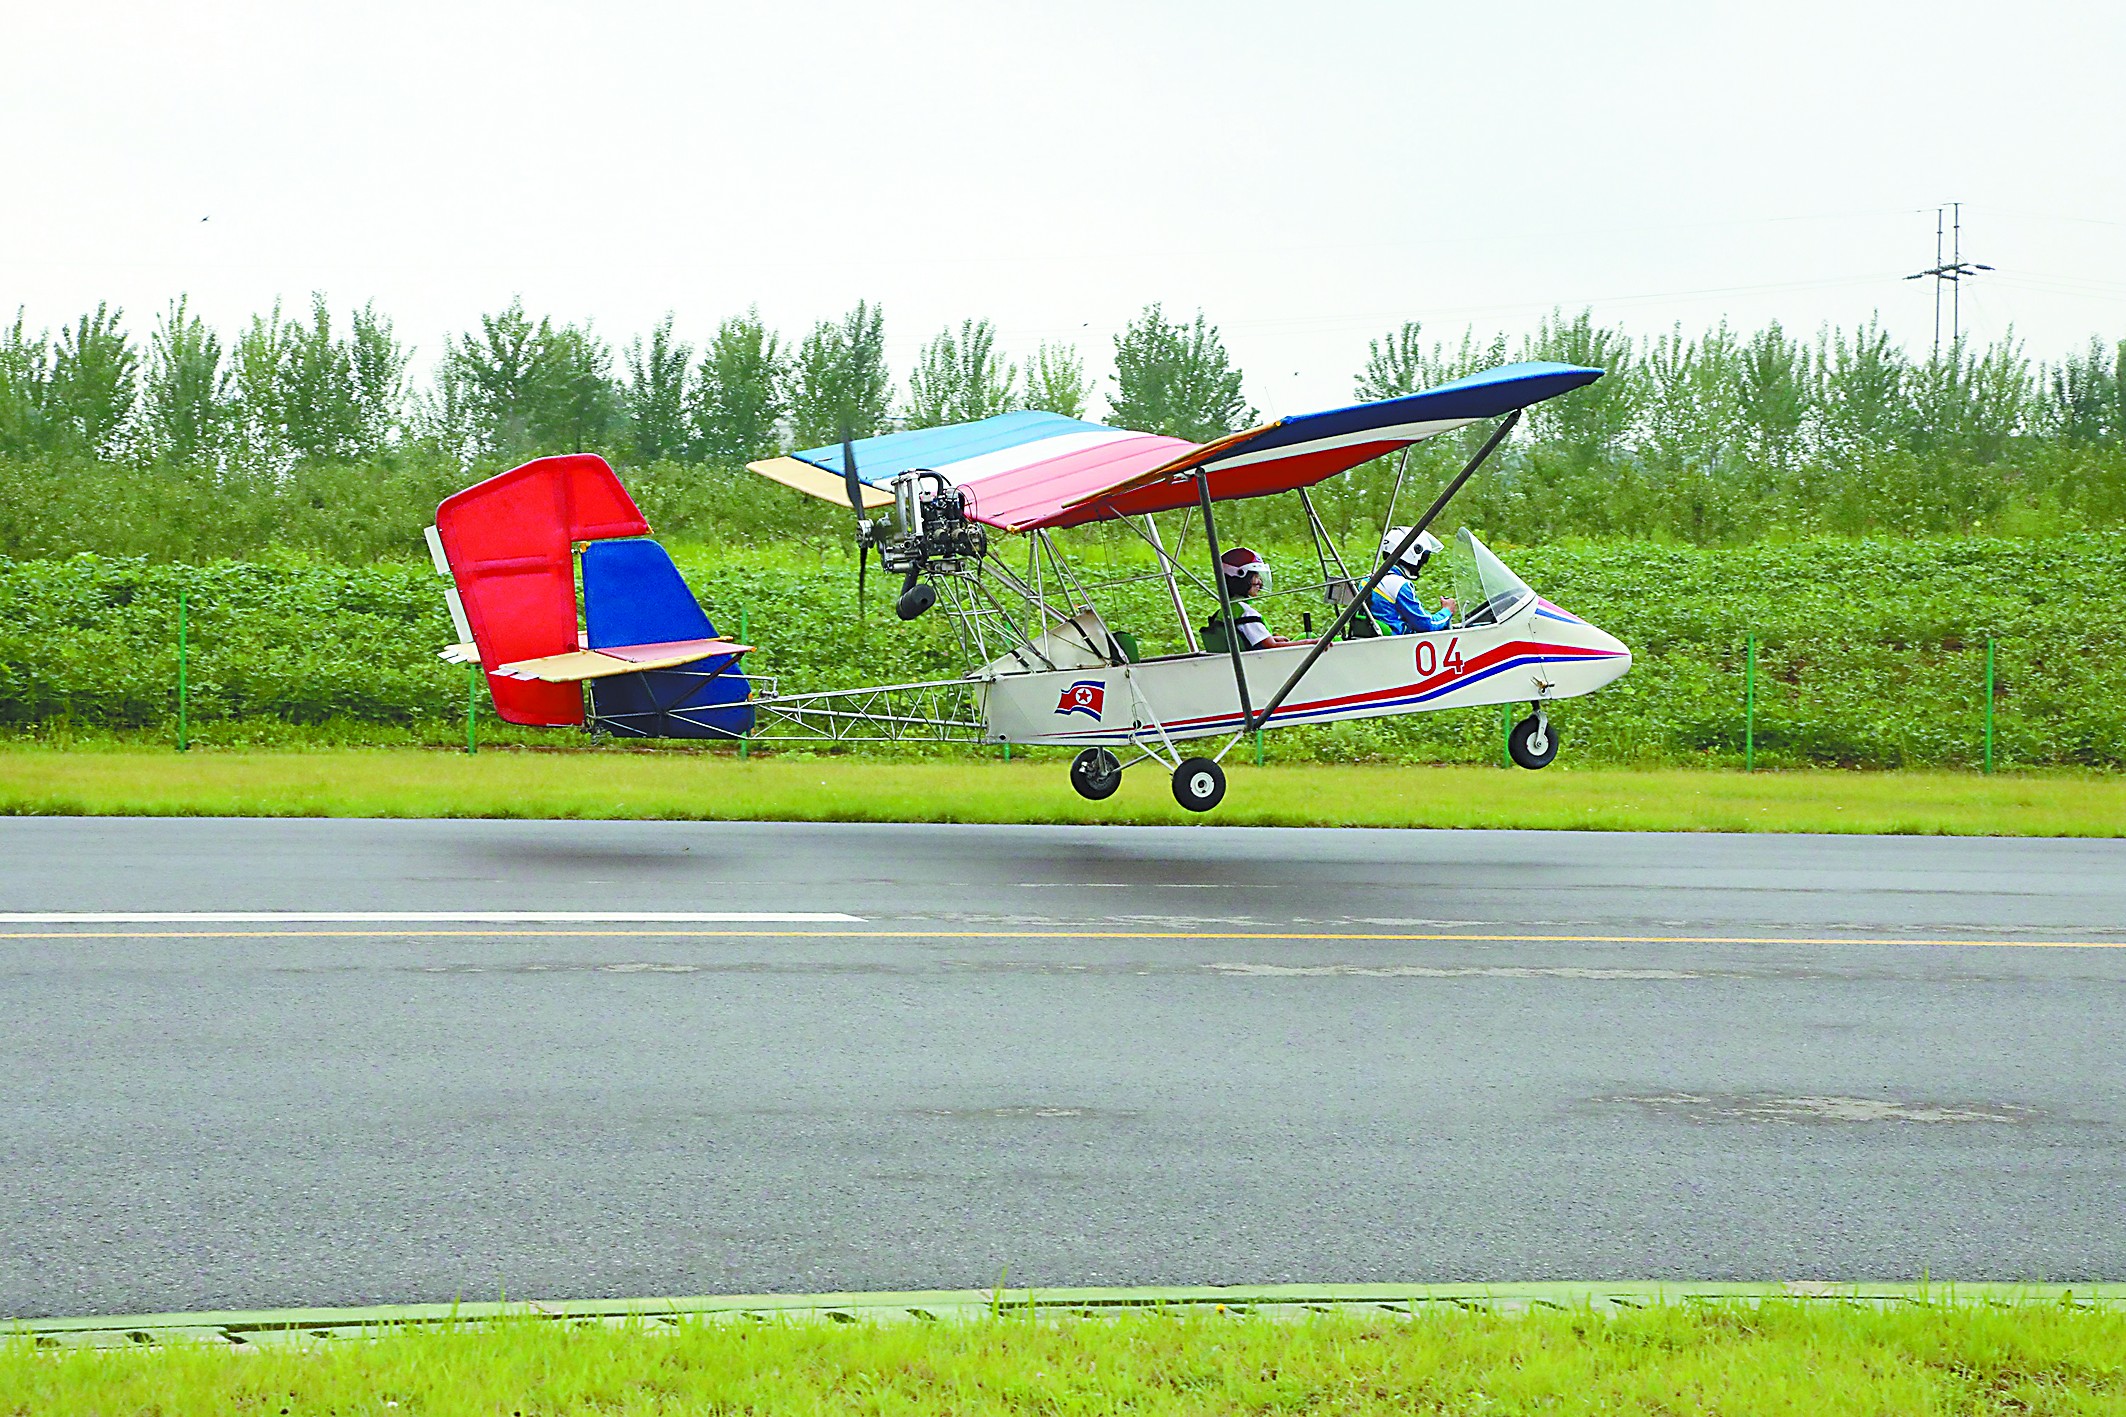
(1308, 174)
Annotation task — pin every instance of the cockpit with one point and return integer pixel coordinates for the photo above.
(1487, 592)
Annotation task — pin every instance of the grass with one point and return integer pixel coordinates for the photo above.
(1780, 1356)
(609, 783)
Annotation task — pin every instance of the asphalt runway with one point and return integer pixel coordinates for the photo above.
(1076, 1055)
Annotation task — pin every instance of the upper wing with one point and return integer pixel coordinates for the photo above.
(1030, 470)
(1009, 463)
(1301, 451)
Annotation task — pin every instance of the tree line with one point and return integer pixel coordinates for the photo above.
(304, 388)
(1713, 436)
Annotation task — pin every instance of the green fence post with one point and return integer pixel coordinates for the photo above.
(1749, 708)
(472, 702)
(1989, 703)
(1505, 735)
(182, 743)
(745, 744)
(1258, 747)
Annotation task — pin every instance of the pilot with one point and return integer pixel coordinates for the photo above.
(1394, 601)
(1248, 574)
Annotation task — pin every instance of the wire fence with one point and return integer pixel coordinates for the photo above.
(1748, 701)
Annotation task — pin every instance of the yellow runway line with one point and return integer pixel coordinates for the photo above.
(1375, 937)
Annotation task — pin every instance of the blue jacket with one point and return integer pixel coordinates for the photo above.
(1395, 606)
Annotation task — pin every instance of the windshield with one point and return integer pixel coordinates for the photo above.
(1490, 592)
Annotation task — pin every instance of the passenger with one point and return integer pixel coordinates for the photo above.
(1394, 601)
(1247, 574)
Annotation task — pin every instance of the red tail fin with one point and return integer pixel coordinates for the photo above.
(509, 541)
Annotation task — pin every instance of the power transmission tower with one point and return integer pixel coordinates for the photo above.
(1953, 272)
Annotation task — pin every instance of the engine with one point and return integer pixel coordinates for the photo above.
(928, 534)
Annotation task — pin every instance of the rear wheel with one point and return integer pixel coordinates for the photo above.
(1199, 784)
(1096, 773)
(1533, 742)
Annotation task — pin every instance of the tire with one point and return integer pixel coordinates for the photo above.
(1533, 742)
(1095, 773)
(1199, 784)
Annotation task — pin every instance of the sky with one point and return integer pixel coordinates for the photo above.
(1310, 176)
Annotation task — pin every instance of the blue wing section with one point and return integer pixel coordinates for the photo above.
(882, 458)
(1485, 395)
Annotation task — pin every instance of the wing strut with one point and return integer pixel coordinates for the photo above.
(1225, 596)
(1173, 585)
(1249, 723)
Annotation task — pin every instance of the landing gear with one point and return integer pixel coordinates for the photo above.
(1533, 743)
(1199, 784)
(1096, 773)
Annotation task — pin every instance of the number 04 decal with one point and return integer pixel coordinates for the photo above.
(1429, 658)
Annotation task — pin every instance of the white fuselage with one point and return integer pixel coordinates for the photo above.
(1538, 653)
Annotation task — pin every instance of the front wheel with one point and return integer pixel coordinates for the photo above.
(1533, 742)
(1096, 773)
(1199, 784)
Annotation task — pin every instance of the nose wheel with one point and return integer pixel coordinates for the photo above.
(1533, 742)
(1096, 773)
(1199, 784)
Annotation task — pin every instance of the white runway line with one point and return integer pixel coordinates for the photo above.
(428, 917)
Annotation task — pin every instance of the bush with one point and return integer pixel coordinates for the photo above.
(1870, 653)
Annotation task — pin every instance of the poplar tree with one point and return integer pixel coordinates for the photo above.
(91, 391)
(840, 381)
(316, 376)
(186, 390)
(1175, 379)
(958, 379)
(1594, 423)
(1861, 386)
(1774, 401)
(518, 389)
(258, 422)
(656, 394)
(25, 389)
(2085, 395)
(739, 399)
(378, 363)
(1055, 380)
(574, 405)
(490, 377)
(1395, 366)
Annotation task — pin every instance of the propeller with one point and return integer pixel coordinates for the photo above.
(855, 486)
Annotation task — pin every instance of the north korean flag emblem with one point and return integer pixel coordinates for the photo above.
(1086, 696)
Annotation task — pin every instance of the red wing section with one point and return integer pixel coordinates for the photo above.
(1254, 480)
(508, 541)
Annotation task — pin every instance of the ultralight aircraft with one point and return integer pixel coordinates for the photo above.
(524, 548)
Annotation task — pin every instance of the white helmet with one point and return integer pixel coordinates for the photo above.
(1425, 547)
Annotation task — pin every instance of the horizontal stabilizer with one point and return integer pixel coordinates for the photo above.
(578, 665)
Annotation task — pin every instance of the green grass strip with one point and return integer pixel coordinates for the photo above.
(1301, 1349)
(387, 782)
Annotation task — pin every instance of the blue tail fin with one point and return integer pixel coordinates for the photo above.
(633, 595)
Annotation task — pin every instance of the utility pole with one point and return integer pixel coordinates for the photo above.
(1952, 272)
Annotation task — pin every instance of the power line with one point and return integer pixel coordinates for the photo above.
(1954, 271)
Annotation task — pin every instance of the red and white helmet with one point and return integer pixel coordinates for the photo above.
(1240, 563)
